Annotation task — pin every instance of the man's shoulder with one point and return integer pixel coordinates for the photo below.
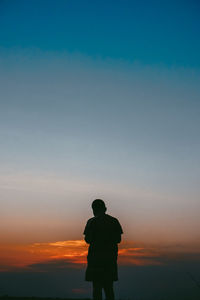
(111, 218)
(114, 222)
(90, 220)
(88, 225)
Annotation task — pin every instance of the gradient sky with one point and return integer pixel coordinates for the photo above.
(100, 99)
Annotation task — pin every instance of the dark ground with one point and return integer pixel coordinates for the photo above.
(6, 297)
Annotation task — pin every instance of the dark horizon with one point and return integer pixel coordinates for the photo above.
(175, 280)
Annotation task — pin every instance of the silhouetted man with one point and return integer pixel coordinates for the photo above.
(103, 233)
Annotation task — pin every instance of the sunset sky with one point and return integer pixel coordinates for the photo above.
(98, 99)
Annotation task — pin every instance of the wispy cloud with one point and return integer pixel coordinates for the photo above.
(72, 254)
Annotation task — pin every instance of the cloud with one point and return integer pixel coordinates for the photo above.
(51, 256)
(57, 269)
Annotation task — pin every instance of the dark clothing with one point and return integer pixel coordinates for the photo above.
(103, 233)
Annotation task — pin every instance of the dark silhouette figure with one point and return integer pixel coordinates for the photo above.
(102, 233)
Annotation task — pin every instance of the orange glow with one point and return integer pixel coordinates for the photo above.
(21, 256)
(74, 250)
(138, 256)
(73, 253)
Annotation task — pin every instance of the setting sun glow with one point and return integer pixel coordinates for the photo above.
(72, 252)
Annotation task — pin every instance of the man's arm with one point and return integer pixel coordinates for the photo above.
(118, 232)
(88, 232)
(118, 238)
(88, 238)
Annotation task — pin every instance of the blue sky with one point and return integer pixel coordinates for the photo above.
(100, 99)
(151, 32)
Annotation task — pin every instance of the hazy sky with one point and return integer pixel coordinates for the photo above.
(99, 99)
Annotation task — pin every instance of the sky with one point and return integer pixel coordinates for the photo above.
(99, 99)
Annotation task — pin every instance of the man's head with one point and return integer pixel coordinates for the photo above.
(98, 207)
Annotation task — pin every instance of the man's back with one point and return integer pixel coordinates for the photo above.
(103, 231)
